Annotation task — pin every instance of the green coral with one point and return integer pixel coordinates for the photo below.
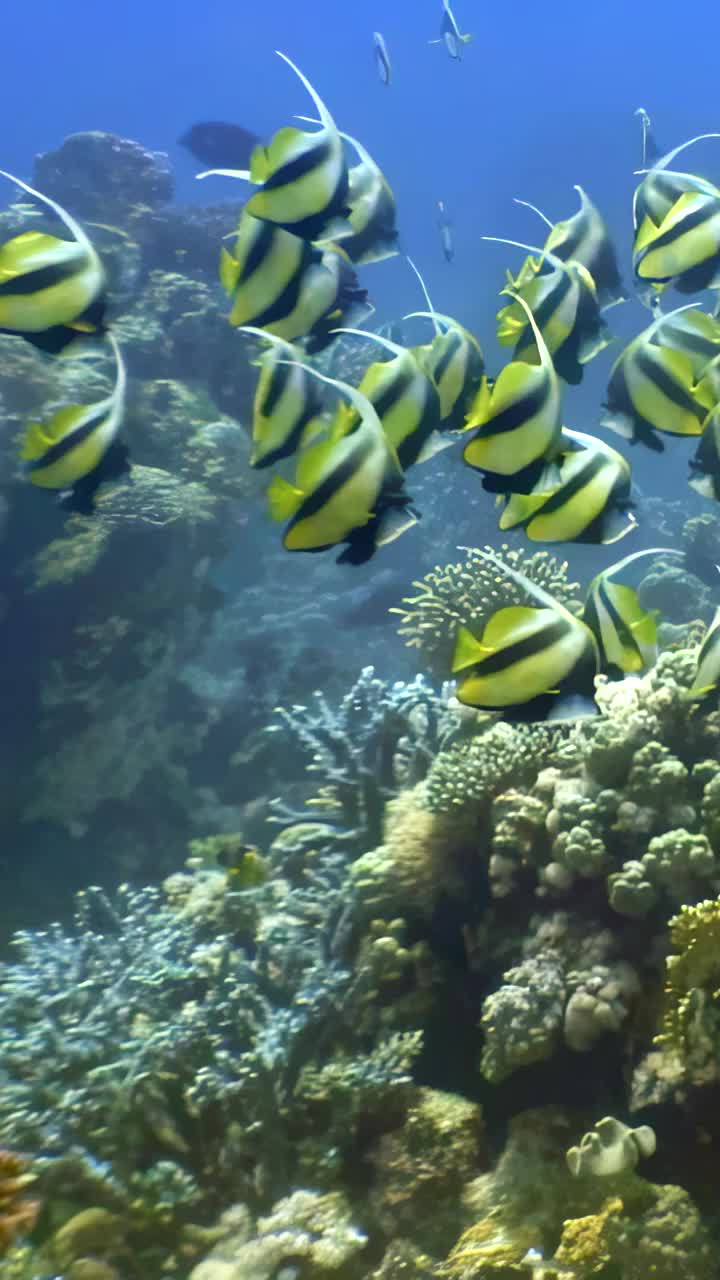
(468, 592)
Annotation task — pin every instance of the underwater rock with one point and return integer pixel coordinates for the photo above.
(422, 1168)
(101, 176)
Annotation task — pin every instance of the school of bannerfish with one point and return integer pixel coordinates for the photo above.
(322, 208)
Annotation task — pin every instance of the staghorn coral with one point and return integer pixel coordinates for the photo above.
(467, 593)
(382, 737)
(135, 1047)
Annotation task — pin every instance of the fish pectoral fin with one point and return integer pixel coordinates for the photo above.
(645, 233)
(35, 441)
(283, 498)
(468, 650)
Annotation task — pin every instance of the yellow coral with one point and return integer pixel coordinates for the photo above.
(692, 972)
(583, 1244)
(487, 1249)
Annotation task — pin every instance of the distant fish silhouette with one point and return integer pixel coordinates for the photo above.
(220, 145)
(382, 57)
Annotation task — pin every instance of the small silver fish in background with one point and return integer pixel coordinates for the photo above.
(450, 34)
(382, 57)
(445, 229)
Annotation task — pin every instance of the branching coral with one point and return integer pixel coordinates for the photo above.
(466, 593)
(163, 1067)
(382, 737)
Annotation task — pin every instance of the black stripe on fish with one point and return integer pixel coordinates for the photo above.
(280, 375)
(38, 278)
(451, 350)
(322, 494)
(300, 166)
(672, 390)
(517, 414)
(703, 213)
(509, 655)
(261, 244)
(624, 634)
(389, 396)
(73, 438)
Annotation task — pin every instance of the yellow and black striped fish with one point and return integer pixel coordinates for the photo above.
(661, 187)
(684, 248)
(286, 400)
(707, 672)
(78, 450)
(518, 420)
(454, 360)
(653, 389)
(531, 663)
(283, 284)
(626, 633)
(302, 177)
(372, 214)
(405, 400)
(348, 487)
(563, 300)
(51, 290)
(586, 500)
(693, 331)
(584, 238)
